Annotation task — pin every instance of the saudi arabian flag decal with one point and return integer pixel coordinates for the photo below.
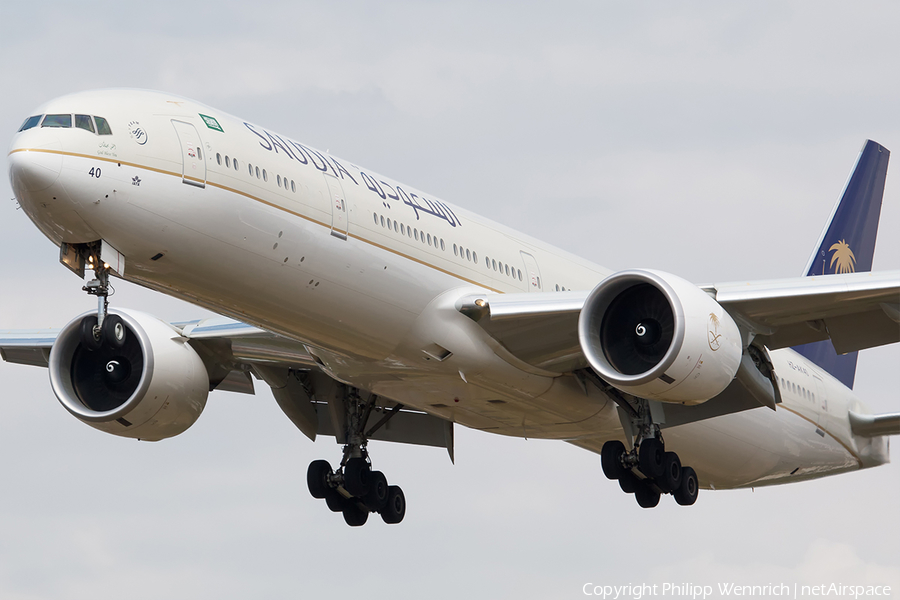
(212, 123)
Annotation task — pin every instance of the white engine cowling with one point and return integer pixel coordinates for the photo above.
(654, 335)
(152, 388)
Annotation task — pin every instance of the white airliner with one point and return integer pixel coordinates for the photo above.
(376, 311)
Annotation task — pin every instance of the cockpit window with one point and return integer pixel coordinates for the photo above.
(30, 122)
(102, 126)
(84, 122)
(57, 121)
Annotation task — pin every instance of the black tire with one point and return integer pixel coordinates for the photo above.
(114, 331)
(356, 477)
(377, 497)
(650, 457)
(317, 478)
(629, 482)
(395, 509)
(670, 480)
(354, 515)
(88, 340)
(646, 496)
(611, 459)
(686, 494)
(336, 502)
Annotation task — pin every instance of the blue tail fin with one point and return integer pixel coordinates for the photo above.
(847, 245)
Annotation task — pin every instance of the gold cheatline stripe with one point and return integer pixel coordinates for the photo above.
(834, 437)
(261, 201)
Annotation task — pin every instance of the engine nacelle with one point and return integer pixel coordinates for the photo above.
(152, 388)
(654, 335)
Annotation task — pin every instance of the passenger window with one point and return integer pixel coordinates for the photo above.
(455, 250)
(507, 269)
(227, 161)
(219, 159)
(278, 178)
(468, 254)
(519, 271)
(293, 187)
(30, 122)
(199, 156)
(265, 175)
(102, 126)
(416, 234)
(84, 122)
(429, 239)
(442, 243)
(388, 223)
(382, 221)
(57, 121)
(257, 172)
(375, 216)
(235, 165)
(402, 229)
(396, 229)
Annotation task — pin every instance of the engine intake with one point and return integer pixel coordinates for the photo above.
(654, 335)
(152, 387)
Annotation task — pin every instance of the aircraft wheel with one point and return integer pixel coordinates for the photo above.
(377, 497)
(646, 496)
(670, 480)
(335, 502)
(356, 477)
(611, 459)
(317, 478)
(114, 331)
(686, 494)
(354, 515)
(88, 339)
(650, 457)
(629, 482)
(395, 509)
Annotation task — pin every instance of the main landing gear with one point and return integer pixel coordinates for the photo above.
(354, 489)
(647, 470)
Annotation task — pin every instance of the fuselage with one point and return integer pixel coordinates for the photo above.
(364, 271)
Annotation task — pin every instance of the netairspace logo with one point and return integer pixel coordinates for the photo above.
(727, 590)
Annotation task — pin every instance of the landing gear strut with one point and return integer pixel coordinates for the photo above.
(647, 470)
(354, 489)
(104, 328)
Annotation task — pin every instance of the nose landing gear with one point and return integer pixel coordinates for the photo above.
(104, 328)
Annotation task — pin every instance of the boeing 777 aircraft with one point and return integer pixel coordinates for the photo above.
(374, 310)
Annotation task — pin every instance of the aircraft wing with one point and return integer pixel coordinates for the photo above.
(854, 311)
(232, 350)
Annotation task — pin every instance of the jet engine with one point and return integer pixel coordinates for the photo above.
(151, 385)
(654, 335)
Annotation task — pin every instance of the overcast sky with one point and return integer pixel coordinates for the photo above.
(709, 139)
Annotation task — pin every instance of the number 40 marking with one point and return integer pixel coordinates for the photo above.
(94, 172)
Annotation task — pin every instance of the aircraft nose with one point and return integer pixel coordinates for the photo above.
(34, 170)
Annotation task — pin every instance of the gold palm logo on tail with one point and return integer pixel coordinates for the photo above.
(843, 256)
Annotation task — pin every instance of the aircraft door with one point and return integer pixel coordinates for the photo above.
(339, 209)
(192, 160)
(532, 273)
(821, 400)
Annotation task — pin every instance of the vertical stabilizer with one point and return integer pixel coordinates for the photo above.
(847, 245)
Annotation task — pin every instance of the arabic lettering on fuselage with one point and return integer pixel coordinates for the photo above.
(328, 164)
